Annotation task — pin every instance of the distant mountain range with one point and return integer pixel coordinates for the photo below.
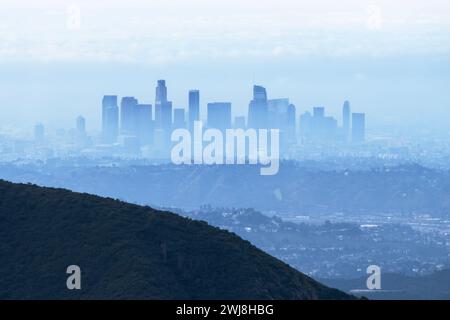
(297, 188)
(127, 251)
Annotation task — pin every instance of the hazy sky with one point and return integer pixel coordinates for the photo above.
(389, 58)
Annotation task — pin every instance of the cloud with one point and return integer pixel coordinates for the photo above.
(157, 32)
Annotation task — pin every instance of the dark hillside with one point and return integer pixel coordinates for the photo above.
(128, 251)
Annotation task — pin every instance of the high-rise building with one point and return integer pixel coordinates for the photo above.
(281, 116)
(179, 118)
(291, 116)
(144, 124)
(166, 116)
(194, 107)
(161, 92)
(306, 130)
(358, 127)
(318, 128)
(278, 113)
(160, 102)
(128, 115)
(346, 120)
(291, 127)
(107, 101)
(163, 108)
(110, 117)
(81, 126)
(258, 109)
(219, 115)
(318, 112)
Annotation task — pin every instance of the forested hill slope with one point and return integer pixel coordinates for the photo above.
(128, 251)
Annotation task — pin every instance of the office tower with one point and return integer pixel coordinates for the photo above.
(258, 109)
(219, 115)
(161, 92)
(144, 123)
(281, 116)
(346, 120)
(128, 115)
(291, 127)
(291, 116)
(239, 123)
(81, 139)
(163, 108)
(110, 118)
(306, 127)
(318, 112)
(277, 113)
(318, 128)
(81, 126)
(179, 118)
(107, 101)
(160, 102)
(330, 128)
(39, 132)
(166, 116)
(318, 125)
(194, 107)
(358, 127)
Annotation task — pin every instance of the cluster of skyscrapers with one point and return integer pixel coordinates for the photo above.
(319, 128)
(140, 125)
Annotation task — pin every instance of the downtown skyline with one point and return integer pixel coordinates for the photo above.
(153, 124)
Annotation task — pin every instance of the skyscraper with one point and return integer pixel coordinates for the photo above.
(306, 130)
(219, 115)
(144, 124)
(128, 115)
(179, 118)
(291, 115)
(278, 113)
(81, 126)
(318, 112)
(110, 119)
(346, 120)
(106, 102)
(160, 102)
(194, 107)
(163, 108)
(166, 116)
(258, 110)
(358, 127)
(318, 128)
(161, 92)
(291, 126)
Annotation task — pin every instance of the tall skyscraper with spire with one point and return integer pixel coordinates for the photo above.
(160, 102)
(258, 109)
